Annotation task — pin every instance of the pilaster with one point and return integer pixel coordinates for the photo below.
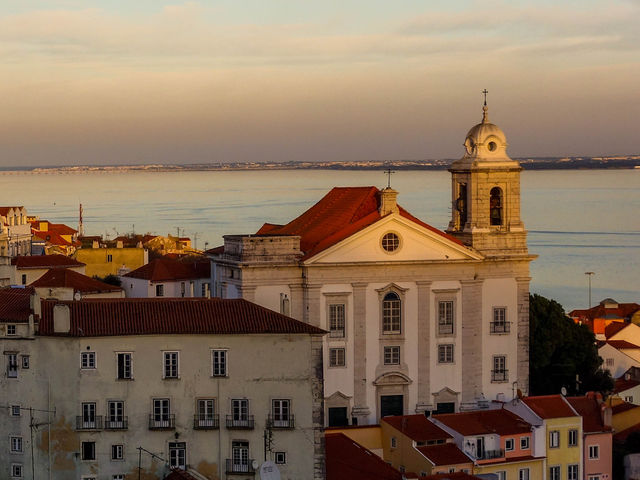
(248, 292)
(311, 313)
(472, 374)
(297, 302)
(424, 350)
(523, 333)
(360, 410)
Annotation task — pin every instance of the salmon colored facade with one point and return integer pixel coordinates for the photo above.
(598, 456)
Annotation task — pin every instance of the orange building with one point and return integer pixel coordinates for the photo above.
(608, 311)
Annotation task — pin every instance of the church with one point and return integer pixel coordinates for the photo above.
(418, 319)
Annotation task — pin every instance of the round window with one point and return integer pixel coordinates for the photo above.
(492, 146)
(390, 242)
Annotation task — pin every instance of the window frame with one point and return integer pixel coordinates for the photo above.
(596, 449)
(446, 318)
(15, 411)
(240, 409)
(576, 470)
(176, 451)
(443, 356)
(16, 444)
(12, 330)
(170, 368)
(391, 309)
(12, 365)
(524, 443)
(507, 442)
(280, 458)
(17, 470)
(26, 361)
(124, 356)
(159, 289)
(84, 452)
(117, 452)
(337, 357)
(555, 472)
(337, 319)
(554, 439)
(500, 372)
(88, 360)
(523, 474)
(391, 355)
(573, 442)
(219, 368)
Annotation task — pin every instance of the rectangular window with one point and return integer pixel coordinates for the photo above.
(15, 444)
(499, 372)
(445, 318)
(170, 365)
(117, 452)
(182, 289)
(628, 399)
(178, 455)
(88, 360)
(554, 472)
(206, 413)
(109, 258)
(89, 421)
(554, 439)
(573, 438)
(509, 444)
(524, 443)
(609, 362)
(124, 370)
(160, 290)
(594, 452)
(15, 410)
(281, 411)
(336, 357)
(394, 442)
(115, 415)
(445, 353)
(161, 413)
(392, 355)
(281, 458)
(16, 470)
(25, 361)
(119, 476)
(523, 474)
(219, 361)
(499, 324)
(336, 320)
(11, 329)
(88, 450)
(572, 472)
(24, 279)
(240, 456)
(240, 409)
(502, 475)
(12, 365)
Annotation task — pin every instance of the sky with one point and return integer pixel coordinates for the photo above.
(119, 82)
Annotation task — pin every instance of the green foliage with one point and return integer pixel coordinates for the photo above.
(560, 350)
(110, 279)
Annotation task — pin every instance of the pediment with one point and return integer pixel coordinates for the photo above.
(416, 243)
(392, 378)
(337, 395)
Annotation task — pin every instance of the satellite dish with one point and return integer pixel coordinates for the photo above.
(563, 391)
(269, 471)
(77, 296)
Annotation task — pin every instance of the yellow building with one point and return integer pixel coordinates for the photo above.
(101, 262)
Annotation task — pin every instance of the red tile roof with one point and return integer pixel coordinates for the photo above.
(52, 237)
(613, 328)
(451, 476)
(15, 304)
(167, 269)
(348, 460)
(550, 406)
(5, 210)
(65, 278)
(623, 310)
(590, 411)
(621, 436)
(622, 344)
(149, 316)
(623, 407)
(447, 454)
(501, 421)
(621, 384)
(45, 261)
(417, 427)
(178, 474)
(340, 213)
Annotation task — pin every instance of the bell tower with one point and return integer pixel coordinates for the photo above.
(485, 188)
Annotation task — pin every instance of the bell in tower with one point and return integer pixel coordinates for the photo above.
(486, 193)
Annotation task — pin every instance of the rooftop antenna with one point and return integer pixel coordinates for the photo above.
(389, 172)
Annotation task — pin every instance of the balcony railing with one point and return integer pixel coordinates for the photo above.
(489, 454)
(89, 423)
(499, 375)
(245, 423)
(240, 467)
(117, 423)
(162, 422)
(500, 327)
(206, 422)
(281, 422)
(336, 333)
(445, 329)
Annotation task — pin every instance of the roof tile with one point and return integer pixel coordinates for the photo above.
(502, 422)
(65, 278)
(550, 406)
(45, 261)
(417, 427)
(348, 460)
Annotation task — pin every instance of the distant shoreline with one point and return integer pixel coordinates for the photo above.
(545, 163)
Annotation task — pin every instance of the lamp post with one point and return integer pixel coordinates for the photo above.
(589, 274)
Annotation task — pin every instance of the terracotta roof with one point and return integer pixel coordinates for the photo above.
(15, 304)
(623, 407)
(45, 261)
(348, 460)
(179, 474)
(417, 427)
(451, 476)
(501, 421)
(621, 436)
(623, 310)
(149, 316)
(63, 277)
(50, 236)
(550, 406)
(339, 214)
(591, 413)
(167, 269)
(5, 210)
(622, 344)
(447, 454)
(613, 328)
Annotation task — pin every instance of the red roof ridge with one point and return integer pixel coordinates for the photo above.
(64, 277)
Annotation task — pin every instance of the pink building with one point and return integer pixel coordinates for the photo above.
(598, 435)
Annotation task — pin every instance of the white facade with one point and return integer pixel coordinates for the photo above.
(142, 288)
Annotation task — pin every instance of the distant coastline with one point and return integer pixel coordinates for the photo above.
(538, 163)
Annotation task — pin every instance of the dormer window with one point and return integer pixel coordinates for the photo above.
(495, 206)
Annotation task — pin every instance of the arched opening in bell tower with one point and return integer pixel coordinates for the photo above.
(495, 206)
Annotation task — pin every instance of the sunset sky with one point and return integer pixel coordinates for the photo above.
(121, 81)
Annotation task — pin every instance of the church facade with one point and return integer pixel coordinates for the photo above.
(418, 319)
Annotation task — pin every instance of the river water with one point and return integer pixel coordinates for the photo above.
(578, 220)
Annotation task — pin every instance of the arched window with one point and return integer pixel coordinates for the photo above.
(495, 208)
(391, 314)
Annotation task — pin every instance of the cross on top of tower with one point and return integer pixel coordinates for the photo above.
(389, 172)
(485, 109)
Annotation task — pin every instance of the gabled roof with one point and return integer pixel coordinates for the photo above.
(339, 214)
(446, 454)
(621, 384)
(622, 407)
(175, 316)
(15, 304)
(622, 310)
(65, 278)
(613, 328)
(550, 406)
(5, 210)
(500, 421)
(45, 261)
(451, 476)
(348, 460)
(417, 427)
(590, 411)
(50, 236)
(167, 269)
(622, 344)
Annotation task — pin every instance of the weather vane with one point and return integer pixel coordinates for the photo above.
(388, 172)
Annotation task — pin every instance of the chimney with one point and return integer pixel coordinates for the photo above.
(607, 415)
(95, 244)
(388, 201)
(61, 318)
(119, 244)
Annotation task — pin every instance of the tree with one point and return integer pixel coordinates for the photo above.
(110, 279)
(562, 353)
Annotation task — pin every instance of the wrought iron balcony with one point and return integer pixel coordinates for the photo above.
(240, 467)
(500, 327)
(281, 422)
(206, 422)
(162, 422)
(89, 423)
(499, 376)
(244, 423)
(489, 454)
(116, 423)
